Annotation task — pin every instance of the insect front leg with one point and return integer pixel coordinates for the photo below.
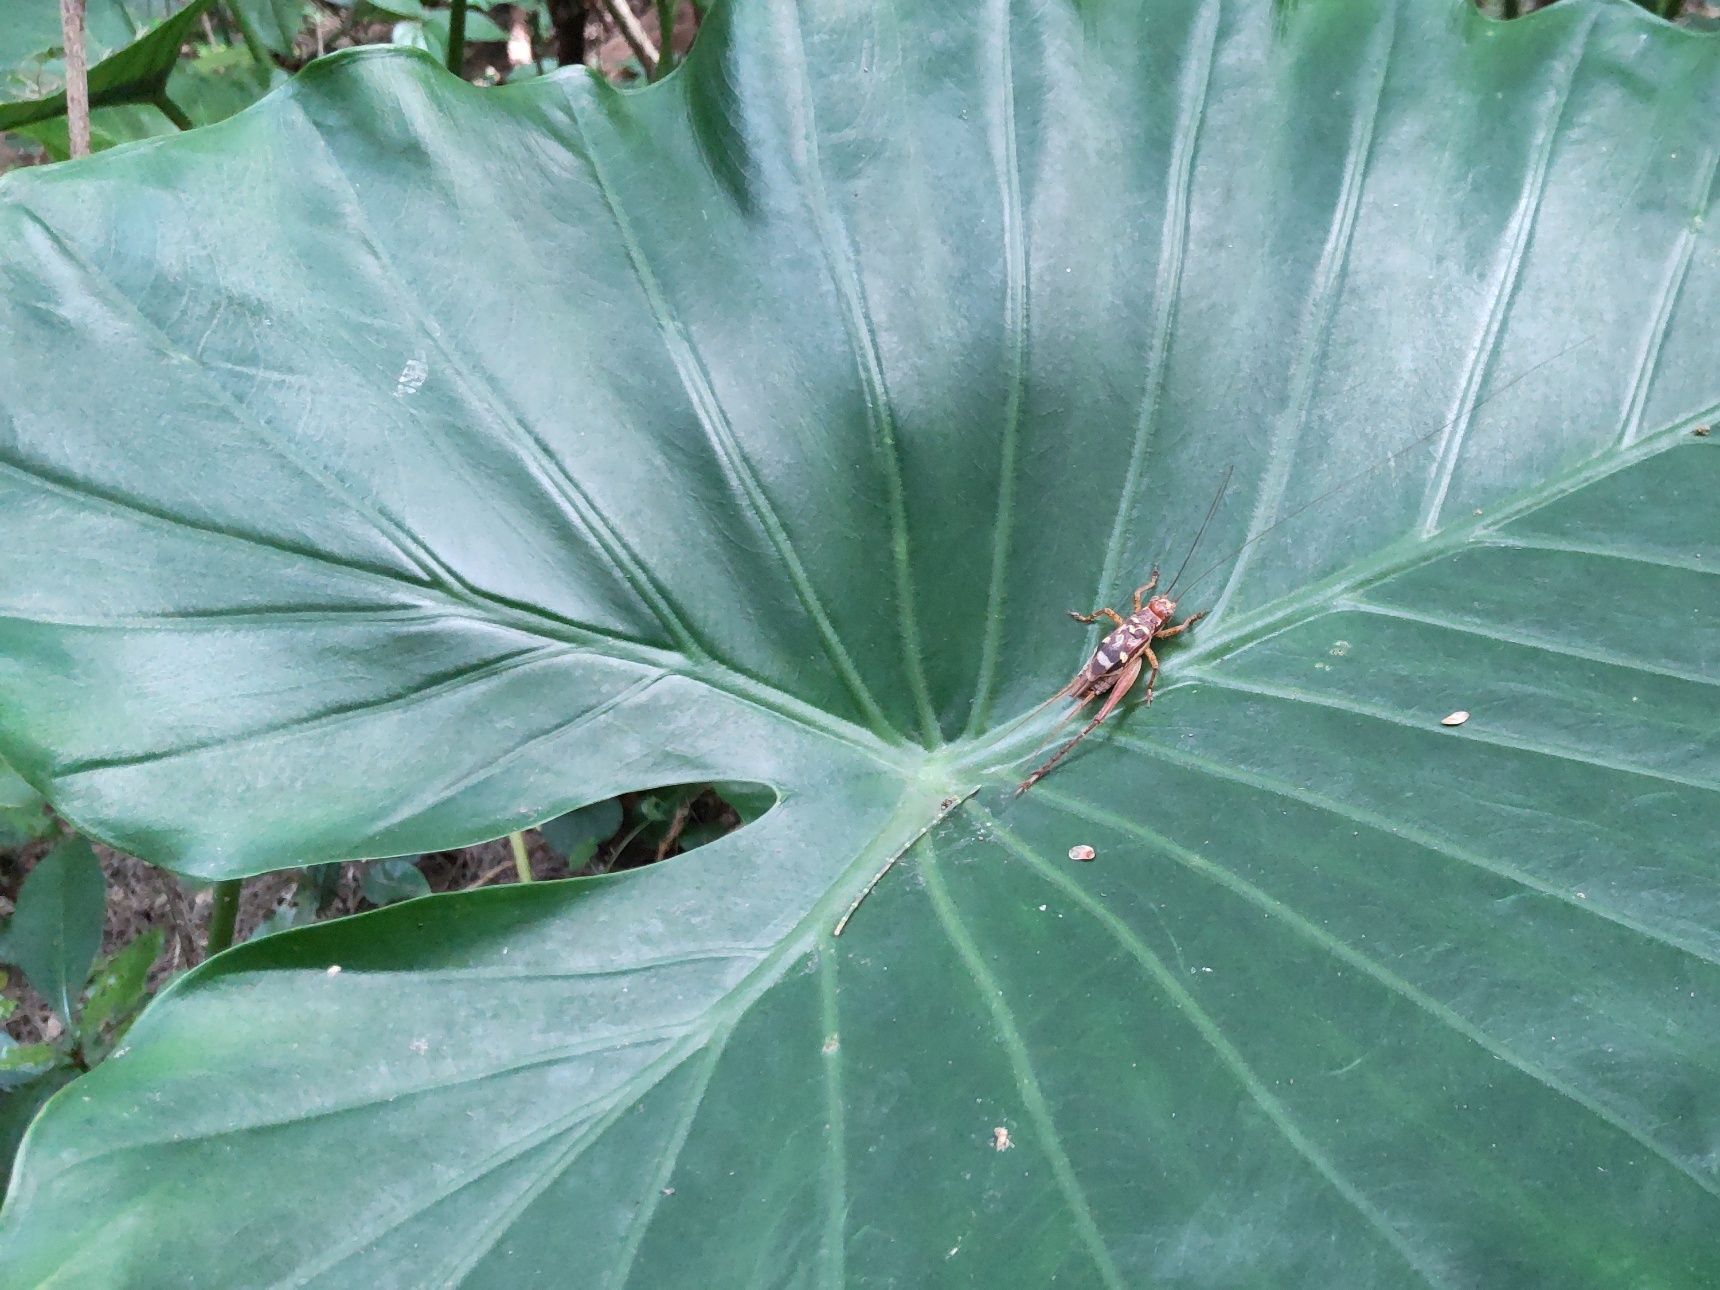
(1183, 626)
(1097, 614)
(1145, 587)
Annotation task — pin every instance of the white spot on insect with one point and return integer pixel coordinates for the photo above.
(411, 378)
(333, 970)
(1082, 853)
(1000, 1139)
(1454, 718)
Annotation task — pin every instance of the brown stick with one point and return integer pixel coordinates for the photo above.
(77, 77)
(677, 822)
(621, 14)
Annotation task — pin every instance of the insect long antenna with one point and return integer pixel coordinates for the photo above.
(1201, 531)
(1386, 460)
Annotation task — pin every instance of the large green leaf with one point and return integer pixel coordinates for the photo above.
(804, 394)
(132, 46)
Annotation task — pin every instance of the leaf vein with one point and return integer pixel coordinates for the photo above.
(1519, 232)
(1295, 694)
(1216, 873)
(1276, 1113)
(714, 420)
(1021, 1062)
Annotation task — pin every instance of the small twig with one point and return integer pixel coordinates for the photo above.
(522, 862)
(677, 822)
(490, 875)
(633, 34)
(949, 804)
(77, 77)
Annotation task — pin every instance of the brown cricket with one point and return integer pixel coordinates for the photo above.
(1116, 664)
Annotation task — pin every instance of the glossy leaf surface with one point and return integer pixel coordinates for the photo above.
(813, 386)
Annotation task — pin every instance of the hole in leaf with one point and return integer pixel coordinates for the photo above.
(641, 828)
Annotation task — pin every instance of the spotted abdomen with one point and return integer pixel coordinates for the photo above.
(1120, 645)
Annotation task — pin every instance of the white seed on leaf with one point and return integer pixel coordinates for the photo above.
(1455, 719)
(1082, 853)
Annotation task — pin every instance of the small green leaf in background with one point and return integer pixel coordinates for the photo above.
(276, 22)
(317, 885)
(574, 836)
(24, 815)
(21, 1063)
(57, 927)
(387, 882)
(117, 986)
(130, 61)
(209, 85)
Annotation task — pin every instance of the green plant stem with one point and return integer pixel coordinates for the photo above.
(223, 913)
(457, 47)
(665, 39)
(522, 863)
(173, 112)
(252, 38)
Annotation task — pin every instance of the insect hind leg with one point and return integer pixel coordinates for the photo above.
(1125, 678)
